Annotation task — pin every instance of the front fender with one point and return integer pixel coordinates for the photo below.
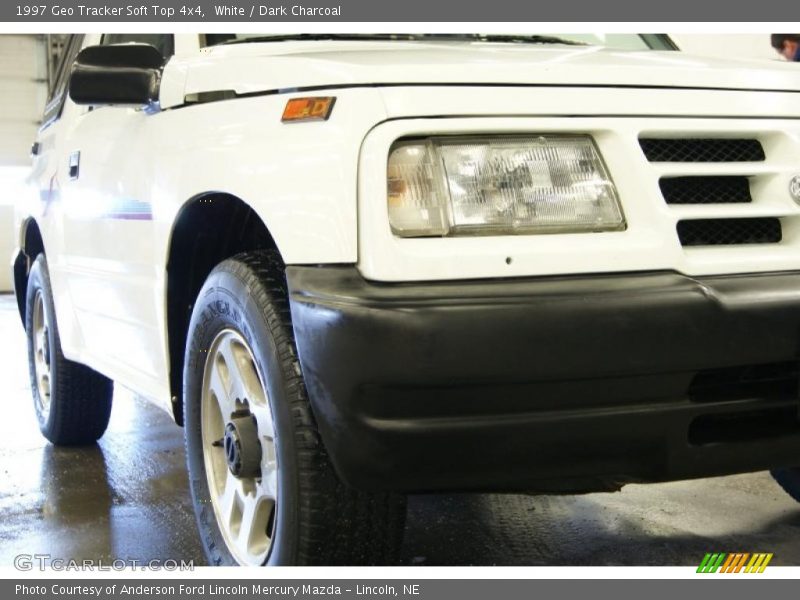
(300, 178)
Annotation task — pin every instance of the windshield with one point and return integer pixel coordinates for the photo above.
(619, 41)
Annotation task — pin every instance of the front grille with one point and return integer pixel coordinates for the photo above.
(705, 190)
(721, 232)
(702, 150)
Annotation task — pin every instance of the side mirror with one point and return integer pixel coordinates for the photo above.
(124, 74)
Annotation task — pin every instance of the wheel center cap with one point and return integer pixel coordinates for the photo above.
(242, 448)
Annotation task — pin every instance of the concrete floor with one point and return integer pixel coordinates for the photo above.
(127, 498)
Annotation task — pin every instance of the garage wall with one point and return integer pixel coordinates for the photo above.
(729, 45)
(23, 93)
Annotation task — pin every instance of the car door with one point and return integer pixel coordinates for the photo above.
(48, 170)
(116, 282)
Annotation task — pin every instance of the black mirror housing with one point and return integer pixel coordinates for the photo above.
(127, 74)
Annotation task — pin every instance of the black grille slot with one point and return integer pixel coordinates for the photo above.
(744, 426)
(772, 380)
(706, 190)
(721, 232)
(702, 150)
(775, 383)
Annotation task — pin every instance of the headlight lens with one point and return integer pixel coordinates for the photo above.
(500, 185)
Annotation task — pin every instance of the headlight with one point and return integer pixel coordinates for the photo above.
(500, 185)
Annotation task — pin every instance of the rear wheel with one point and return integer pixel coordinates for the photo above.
(263, 486)
(789, 480)
(72, 402)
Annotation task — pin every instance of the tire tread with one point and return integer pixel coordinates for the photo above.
(337, 524)
(81, 398)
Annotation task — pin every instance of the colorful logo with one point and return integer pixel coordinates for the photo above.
(736, 562)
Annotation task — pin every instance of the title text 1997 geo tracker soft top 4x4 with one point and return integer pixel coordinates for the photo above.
(358, 266)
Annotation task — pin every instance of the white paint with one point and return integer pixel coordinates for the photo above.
(248, 68)
(754, 46)
(650, 241)
(320, 187)
(12, 189)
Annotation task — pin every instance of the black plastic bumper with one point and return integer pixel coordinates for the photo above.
(549, 384)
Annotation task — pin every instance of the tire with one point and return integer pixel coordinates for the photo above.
(304, 515)
(789, 480)
(72, 402)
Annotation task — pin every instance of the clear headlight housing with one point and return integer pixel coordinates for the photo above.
(500, 185)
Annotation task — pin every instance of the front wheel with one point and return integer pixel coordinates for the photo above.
(263, 487)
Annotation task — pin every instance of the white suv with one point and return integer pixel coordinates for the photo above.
(357, 266)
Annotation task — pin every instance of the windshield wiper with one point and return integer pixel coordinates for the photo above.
(320, 36)
(527, 39)
(475, 37)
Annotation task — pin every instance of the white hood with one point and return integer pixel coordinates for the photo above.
(257, 67)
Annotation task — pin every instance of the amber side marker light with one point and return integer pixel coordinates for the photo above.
(308, 109)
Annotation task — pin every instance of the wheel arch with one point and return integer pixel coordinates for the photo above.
(209, 228)
(31, 244)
